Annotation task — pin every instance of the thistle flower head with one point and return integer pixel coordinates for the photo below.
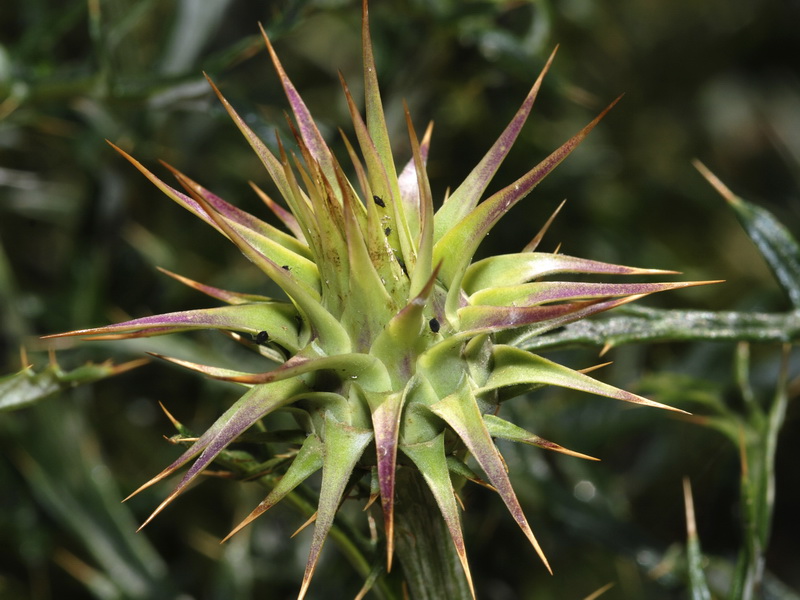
(393, 346)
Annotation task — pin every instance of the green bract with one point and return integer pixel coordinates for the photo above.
(391, 339)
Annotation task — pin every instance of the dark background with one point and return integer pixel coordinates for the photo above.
(81, 231)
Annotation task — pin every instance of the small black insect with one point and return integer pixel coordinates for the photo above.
(387, 231)
(379, 201)
(402, 265)
(286, 268)
(262, 337)
(434, 324)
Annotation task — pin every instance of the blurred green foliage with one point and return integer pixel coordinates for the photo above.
(80, 232)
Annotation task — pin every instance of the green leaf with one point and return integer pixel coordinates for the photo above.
(273, 166)
(418, 423)
(408, 182)
(441, 366)
(774, 241)
(245, 222)
(285, 216)
(320, 215)
(27, 387)
(458, 468)
(368, 306)
(269, 239)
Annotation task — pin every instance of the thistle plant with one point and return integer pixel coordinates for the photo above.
(392, 349)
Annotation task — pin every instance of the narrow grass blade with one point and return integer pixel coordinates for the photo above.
(697, 579)
(599, 592)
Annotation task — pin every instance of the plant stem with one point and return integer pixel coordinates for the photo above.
(638, 324)
(430, 564)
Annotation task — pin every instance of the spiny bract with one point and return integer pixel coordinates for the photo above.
(394, 344)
